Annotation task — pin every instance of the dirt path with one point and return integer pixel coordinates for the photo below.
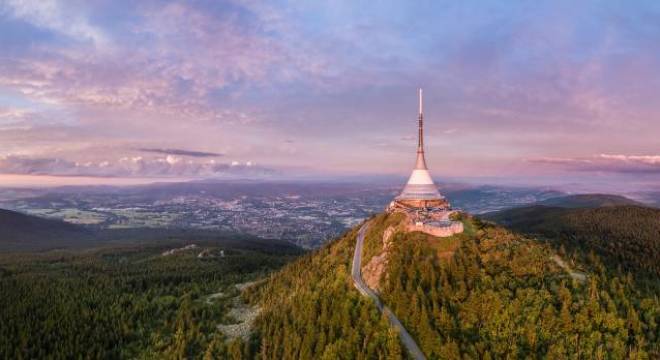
(581, 277)
(243, 313)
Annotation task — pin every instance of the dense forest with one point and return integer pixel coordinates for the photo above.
(501, 295)
(128, 302)
(311, 311)
(627, 237)
(489, 292)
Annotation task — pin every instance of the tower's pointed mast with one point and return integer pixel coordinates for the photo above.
(420, 186)
(421, 162)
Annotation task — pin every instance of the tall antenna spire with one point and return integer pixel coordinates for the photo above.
(421, 162)
(420, 141)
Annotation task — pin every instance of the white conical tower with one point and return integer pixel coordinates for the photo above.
(420, 189)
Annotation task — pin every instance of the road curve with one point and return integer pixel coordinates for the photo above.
(362, 287)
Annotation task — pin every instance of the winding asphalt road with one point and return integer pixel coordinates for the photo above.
(362, 287)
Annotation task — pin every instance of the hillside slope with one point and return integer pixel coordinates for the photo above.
(129, 302)
(25, 232)
(311, 311)
(496, 295)
(589, 201)
(626, 236)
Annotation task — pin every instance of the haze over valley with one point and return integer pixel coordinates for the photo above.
(305, 213)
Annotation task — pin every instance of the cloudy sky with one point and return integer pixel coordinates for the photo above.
(190, 89)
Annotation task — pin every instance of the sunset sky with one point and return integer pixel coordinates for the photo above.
(197, 89)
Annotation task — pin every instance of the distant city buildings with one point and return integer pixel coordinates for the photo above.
(304, 214)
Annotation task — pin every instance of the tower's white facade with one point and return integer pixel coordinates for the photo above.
(425, 208)
(420, 186)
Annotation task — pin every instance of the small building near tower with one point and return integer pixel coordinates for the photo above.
(425, 208)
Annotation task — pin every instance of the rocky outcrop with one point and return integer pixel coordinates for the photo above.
(439, 225)
(442, 230)
(374, 270)
(243, 314)
(372, 273)
(178, 250)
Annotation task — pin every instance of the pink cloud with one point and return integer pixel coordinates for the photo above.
(610, 163)
(136, 166)
(643, 159)
(190, 55)
(239, 78)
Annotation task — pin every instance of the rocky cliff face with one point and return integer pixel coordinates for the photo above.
(373, 272)
(444, 230)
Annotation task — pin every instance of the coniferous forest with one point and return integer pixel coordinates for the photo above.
(624, 236)
(501, 295)
(130, 302)
(488, 293)
(311, 310)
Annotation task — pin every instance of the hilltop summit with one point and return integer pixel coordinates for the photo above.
(485, 293)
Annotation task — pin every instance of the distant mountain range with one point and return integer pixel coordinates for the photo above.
(532, 211)
(25, 232)
(620, 230)
(189, 205)
(306, 213)
(589, 201)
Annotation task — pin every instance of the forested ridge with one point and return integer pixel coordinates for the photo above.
(627, 237)
(312, 311)
(590, 201)
(500, 295)
(126, 302)
(21, 232)
(487, 293)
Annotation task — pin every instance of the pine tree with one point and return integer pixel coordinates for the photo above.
(393, 346)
